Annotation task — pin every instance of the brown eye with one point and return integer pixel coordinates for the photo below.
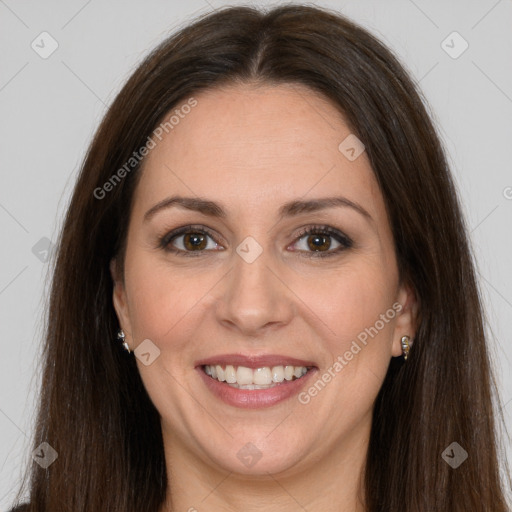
(187, 240)
(318, 241)
(194, 241)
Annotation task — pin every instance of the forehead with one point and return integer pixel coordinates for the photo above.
(253, 146)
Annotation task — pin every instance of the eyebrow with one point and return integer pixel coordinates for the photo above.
(290, 209)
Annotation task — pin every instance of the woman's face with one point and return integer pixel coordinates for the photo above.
(242, 288)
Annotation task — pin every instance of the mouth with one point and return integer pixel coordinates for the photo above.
(255, 381)
(243, 377)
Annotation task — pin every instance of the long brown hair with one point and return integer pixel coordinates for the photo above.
(94, 410)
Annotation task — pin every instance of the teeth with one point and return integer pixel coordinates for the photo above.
(230, 374)
(262, 376)
(220, 373)
(288, 372)
(259, 378)
(278, 374)
(244, 375)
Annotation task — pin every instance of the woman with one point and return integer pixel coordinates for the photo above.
(264, 296)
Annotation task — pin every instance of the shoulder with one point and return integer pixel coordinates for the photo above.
(20, 508)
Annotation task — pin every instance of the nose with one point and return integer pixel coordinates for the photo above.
(254, 296)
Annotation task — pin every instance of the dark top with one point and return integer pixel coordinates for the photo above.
(20, 508)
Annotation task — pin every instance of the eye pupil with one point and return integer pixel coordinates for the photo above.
(196, 241)
(319, 242)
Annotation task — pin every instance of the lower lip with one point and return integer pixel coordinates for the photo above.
(255, 398)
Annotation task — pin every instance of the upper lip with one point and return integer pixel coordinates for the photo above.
(254, 361)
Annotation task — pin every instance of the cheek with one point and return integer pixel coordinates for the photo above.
(362, 318)
(359, 312)
(353, 299)
(347, 299)
(167, 302)
(157, 298)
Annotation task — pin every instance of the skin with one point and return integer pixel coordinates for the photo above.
(252, 148)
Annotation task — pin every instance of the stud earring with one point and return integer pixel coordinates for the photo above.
(121, 337)
(405, 346)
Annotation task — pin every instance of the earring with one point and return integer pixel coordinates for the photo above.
(121, 337)
(405, 346)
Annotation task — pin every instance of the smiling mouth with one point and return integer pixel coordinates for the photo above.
(242, 377)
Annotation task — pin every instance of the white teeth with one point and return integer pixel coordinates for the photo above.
(278, 374)
(243, 375)
(250, 386)
(230, 374)
(288, 372)
(259, 378)
(262, 376)
(220, 373)
(211, 371)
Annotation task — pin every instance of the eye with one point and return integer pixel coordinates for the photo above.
(318, 241)
(193, 241)
(188, 239)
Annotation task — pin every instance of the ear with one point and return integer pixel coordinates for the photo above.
(120, 301)
(406, 319)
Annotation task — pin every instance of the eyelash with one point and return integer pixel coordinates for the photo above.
(346, 243)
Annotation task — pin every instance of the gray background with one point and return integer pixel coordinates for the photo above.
(51, 107)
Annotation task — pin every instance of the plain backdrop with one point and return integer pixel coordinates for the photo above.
(50, 108)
